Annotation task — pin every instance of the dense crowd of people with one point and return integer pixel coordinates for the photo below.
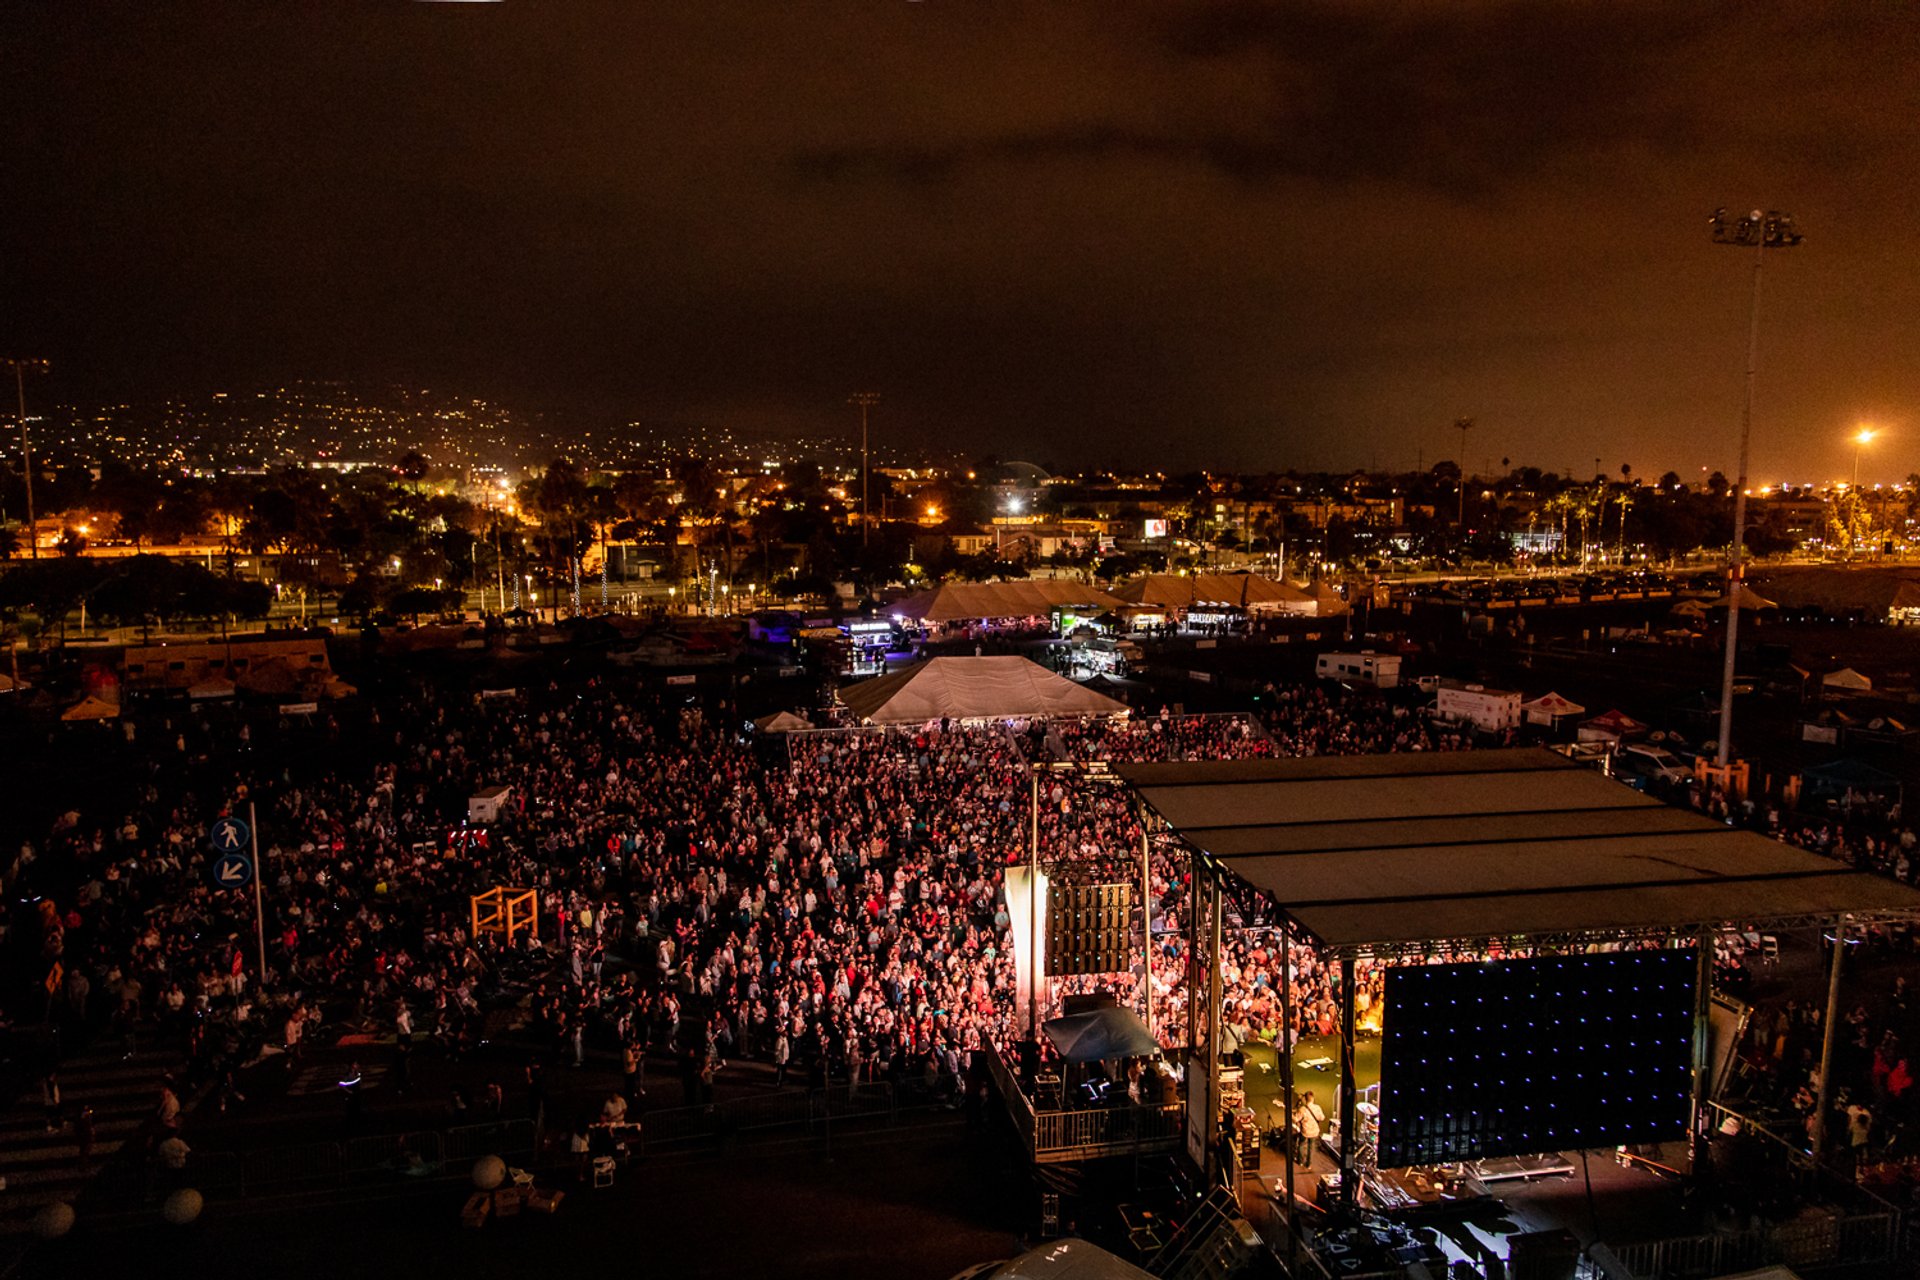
(1162, 737)
(831, 904)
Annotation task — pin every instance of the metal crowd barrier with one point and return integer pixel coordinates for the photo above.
(316, 1166)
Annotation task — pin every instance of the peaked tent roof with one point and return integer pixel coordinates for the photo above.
(781, 722)
(1237, 590)
(1846, 678)
(1749, 599)
(1614, 721)
(1024, 598)
(91, 708)
(1552, 704)
(988, 688)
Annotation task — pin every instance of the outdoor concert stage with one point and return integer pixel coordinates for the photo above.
(1547, 937)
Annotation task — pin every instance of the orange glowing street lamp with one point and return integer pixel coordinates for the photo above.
(1861, 439)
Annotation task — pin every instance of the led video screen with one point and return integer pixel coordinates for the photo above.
(1518, 1057)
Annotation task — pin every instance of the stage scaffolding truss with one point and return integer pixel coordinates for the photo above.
(1513, 852)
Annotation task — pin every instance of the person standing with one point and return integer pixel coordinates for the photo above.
(167, 1112)
(782, 1053)
(1859, 1133)
(1308, 1119)
(83, 1133)
(50, 1100)
(536, 1094)
(630, 1070)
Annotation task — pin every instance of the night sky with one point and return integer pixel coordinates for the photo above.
(1244, 235)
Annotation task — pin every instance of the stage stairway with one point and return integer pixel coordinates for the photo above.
(1215, 1242)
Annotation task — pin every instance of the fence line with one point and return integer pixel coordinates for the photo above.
(789, 1107)
(314, 1166)
(1840, 1241)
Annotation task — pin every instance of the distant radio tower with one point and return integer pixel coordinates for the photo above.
(866, 400)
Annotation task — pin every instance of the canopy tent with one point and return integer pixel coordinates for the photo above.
(1099, 1034)
(9, 685)
(1750, 600)
(1688, 609)
(781, 722)
(210, 689)
(1550, 708)
(1846, 678)
(1245, 591)
(90, 708)
(1615, 726)
(1329, 603)
(1906, 598)
(988, 688)
(1838, 777)
(1026, 598)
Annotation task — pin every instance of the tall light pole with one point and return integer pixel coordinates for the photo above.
(1760, 232)
(1863, 438)
(1857, 517)
(866, 400)
(1463, 425)
(20, 368)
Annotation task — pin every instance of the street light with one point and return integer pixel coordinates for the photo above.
(20, 371)
(1863, 438)
(1757, 231)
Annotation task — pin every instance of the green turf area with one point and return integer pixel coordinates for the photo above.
(1263, 1081)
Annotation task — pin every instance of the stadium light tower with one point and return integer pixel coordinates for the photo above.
(1463, 425)
(1759, 232)
(866, 400)
(20, 370)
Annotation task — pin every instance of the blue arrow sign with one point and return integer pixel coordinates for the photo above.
(229, 835)
(231, 871)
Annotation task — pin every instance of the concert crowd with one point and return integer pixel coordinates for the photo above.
(830, 905)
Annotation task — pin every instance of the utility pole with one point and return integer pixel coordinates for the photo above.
(20, 368)
(1757, 231)
(1463, 425)
(866, 400)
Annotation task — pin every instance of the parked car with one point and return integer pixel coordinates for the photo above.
(1647, 764)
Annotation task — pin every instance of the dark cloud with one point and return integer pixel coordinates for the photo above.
(1459, 101)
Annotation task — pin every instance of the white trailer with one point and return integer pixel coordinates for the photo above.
(1381, 670)
(1488, 710)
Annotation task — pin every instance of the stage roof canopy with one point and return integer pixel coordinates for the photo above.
(1387, 853)
(1198, 590)
(1023, 598)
